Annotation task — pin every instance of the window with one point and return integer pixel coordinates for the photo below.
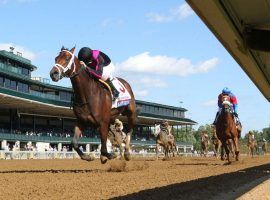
(22, 87)
(66, 96)
(7, 83)
(25, 71)
(10, 84)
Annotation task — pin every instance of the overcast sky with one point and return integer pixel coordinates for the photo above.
(161, 47)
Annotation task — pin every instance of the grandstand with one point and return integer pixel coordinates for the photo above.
(33, 110)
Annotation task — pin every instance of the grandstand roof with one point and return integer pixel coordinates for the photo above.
(228, 20)
(18, 58)
(33, 105)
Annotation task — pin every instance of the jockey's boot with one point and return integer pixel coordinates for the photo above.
(114, 90)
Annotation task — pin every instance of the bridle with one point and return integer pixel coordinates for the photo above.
(62, 70)
(226, 105)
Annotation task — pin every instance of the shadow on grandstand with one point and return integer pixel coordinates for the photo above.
(49, 171)
(224, 186)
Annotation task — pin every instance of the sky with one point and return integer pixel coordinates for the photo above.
(161, 48)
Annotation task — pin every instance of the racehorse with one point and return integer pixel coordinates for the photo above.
(204, 144)
(264, 147)
(92, 103)
(116, 139)
(164, 139)
(216, 143)
(252, 145)
(226, 129)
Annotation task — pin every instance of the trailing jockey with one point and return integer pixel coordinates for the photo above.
(227, 92)
(95, 60)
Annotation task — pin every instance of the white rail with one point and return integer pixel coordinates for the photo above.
(64, 155)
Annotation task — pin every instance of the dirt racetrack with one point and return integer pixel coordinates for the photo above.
(180, 178)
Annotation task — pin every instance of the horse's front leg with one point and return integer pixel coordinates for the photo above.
(77, 133)
(104, 155)
(236, 148)
(227, 150)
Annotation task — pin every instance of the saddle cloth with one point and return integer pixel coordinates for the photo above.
(124, 96)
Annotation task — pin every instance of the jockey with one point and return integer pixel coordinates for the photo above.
(164, 125)
(227, 92)
(95, 60)
(251, 134)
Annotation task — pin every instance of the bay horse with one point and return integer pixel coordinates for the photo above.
(226, 129)
(252, 145)
(264, 147)
(117, 140)
(164, 139)
(204, 144)
(92, 103)
(216, 142)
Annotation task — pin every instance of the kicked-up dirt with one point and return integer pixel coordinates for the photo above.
(178, 178)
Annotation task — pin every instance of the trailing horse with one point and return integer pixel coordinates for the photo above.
(226, 129)
(166, 140)
(216, 143)
(204, 144)
(252, 145)
(117, 140)
(92, 104)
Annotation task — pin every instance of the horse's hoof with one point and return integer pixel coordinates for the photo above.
(165, 158)
(87, 157)
(127, 156)
(107, 155)
(114, 155)
(103, 159)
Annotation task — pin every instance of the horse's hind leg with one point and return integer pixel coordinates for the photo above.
(77, 133)
(131, 121)
(157, 145)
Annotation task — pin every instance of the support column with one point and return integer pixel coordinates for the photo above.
(63, 125)
(34, 123)
(10, 121)
(59, 147)
(3, 144)
(88, 148)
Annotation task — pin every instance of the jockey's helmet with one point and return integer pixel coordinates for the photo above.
(226, 90)
(85, 55)
(165, 122)
(250, 132)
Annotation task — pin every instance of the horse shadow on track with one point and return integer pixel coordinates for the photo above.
(224, 186)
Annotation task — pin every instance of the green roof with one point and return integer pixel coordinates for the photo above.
(17, 58)
(4, 70)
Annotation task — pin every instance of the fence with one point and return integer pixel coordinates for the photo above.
(65, 155)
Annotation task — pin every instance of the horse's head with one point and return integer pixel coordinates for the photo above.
(226, 104)
(64, 65)
(156, 130)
